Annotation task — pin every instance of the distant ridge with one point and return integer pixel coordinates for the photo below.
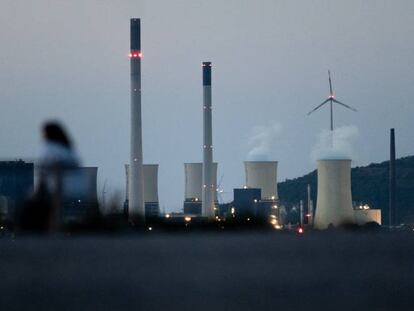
(369, 185)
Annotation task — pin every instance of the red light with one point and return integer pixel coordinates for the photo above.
(300, 230)
(135, 54)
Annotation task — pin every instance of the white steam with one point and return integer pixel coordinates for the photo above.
(261, 140)
(336, 145)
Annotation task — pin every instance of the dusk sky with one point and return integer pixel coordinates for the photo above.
(68, 60)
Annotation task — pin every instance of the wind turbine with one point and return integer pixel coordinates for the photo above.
(331, 99)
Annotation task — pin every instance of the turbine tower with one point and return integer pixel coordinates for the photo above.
(136, 207)
(331, 99)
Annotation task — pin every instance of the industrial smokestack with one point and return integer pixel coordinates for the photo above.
(310, 207)
(334, 200)
(393, 217)
(136, 205)
(262, 175)
(208, 186)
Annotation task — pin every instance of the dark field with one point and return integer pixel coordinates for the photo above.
(232, 271)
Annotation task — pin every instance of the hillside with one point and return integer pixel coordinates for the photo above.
(369, 185)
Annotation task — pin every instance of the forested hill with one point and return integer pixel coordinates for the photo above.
(369, 185)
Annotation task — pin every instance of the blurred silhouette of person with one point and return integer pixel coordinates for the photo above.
(57, 150)
(57, 159)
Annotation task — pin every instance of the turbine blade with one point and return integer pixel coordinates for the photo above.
(346, 106)
(330, 83)
(319, 106)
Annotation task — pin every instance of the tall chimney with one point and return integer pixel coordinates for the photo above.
(136, 205)
(310, 207)
(393, 217)
(207, 207)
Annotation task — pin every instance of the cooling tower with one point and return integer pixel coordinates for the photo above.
(150, 182)
(262, 175)
(136, 205)
(334, 199)
(194, 181)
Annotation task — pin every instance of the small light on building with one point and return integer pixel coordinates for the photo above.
(149, 228)
(167, 215)
(187, 218)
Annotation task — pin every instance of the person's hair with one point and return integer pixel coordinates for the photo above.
(54, 132)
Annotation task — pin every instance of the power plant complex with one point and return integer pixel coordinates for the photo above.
(258, 198)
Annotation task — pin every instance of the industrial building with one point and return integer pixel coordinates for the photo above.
(246, 202)
(364, 214)
(151, 201)
(16, 185)
(194, 186)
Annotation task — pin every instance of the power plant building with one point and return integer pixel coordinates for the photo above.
(16, 185)
(246, 202)
(334, 198)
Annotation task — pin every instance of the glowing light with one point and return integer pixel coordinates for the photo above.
(273, 197)
(167, 215)
(300, 230)
(135, 54)
(187, 218)
(248, 219)
(232, 210)
(273, 222)
(244, 187)
(149, 228)
(255, 201)
(196, 199)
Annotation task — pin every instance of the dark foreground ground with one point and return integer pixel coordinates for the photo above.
(233, 271)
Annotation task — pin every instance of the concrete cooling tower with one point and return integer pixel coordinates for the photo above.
(262, 175)
(334, 199)
(150, 188)
(194, 187)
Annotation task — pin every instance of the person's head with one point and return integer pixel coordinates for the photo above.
(54, 132)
